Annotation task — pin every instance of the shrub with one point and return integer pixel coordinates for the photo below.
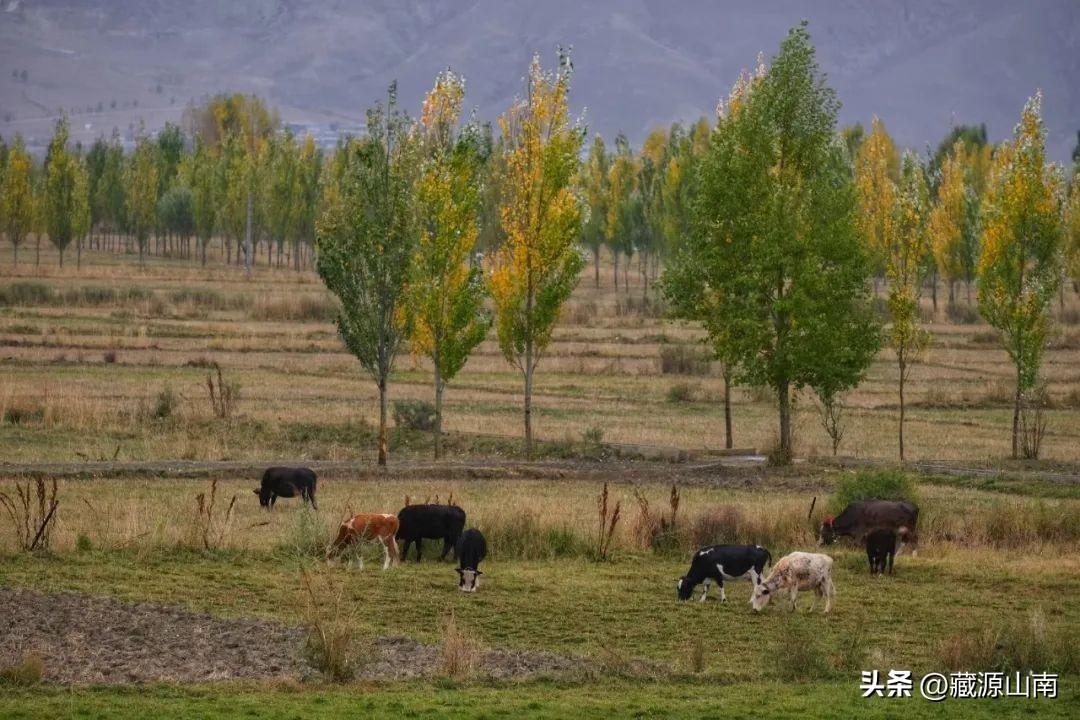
(681, 393)
(109, 357)
(873, 485)
(414, 415)
(27, 671)
(224, 396)
(83, 543)
(593, 435)
(681, 359)
(27, 293)
(24, 415)
(165, 403)
(962, 314)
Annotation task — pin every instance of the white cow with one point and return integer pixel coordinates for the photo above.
(795, 572)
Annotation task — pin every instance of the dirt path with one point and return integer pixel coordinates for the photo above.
(83, 639)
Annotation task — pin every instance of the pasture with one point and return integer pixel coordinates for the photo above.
(109, 365)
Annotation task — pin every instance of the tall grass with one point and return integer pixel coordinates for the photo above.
(1014, 646)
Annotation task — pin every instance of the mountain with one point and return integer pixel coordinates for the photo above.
(921, 65)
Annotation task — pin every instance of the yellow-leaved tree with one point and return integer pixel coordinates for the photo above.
(445, 294)
(947, 218)
(1020, 265)
(536, 268)
(877, 169)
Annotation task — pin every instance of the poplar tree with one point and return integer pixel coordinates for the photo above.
(593, 183)
(65, 203)
(877, 169)
(141, 181)
(365, 240)
(537, 266)
(17, 198)
(446, 289)
(1020, 265)
(775, 252)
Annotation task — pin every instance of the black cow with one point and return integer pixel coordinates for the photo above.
(286, 482)
(881, 549)
(471, 549)
(862, 516)
(418, 522)
(723, 562)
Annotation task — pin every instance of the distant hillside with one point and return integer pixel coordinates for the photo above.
(920, 65)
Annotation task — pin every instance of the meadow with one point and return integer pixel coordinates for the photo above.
(109, 364)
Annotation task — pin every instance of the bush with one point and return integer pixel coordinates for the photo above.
(24, 415)
(873, 485)
(681, 393)
(414, 415)
(680, 359)
(27, 671)
(593, 435)
(166, 402)
(109, 357)
(962, 314)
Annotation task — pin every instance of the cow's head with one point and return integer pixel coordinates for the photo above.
(827, 534)
(763, 592)
(684, 588)
(468, 579)
(264, 496)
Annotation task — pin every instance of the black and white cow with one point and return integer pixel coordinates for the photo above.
(723, 562)
(438, 522)
(286, 482)
(471, 549)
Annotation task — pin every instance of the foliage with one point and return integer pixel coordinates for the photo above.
(17, 202)
(141, 179)
(537, 267)
(66, 204)
(775, 270)
(872, 485)
(1020, 266)
(366, 238)
(414, 415)
(877, 170)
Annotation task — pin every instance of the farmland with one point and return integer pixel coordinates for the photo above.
(106, 367)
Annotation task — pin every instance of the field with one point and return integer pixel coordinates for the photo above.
(104, 376)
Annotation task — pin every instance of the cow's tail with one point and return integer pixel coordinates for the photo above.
(768, 557)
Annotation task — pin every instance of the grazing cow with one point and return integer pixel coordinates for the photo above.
(881, 549)
(795, 572)
(417, 522)
(286, 482)
(368, 526)
(862, 516)
(723, 562)
(471, 549)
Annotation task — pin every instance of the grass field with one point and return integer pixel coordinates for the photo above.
(86, 357)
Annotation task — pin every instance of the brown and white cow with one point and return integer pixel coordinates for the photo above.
(364, 527)
(795, 572)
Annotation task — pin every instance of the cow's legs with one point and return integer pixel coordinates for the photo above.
(828, 591)
(392, 548)
(386, 553)
(405, 550)
(273, 499)
(447, 546)
(705, 590)
(793, 596)
(723, 595)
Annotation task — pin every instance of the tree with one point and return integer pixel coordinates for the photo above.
(110, 194)
(853, 136)
(625, 213)
(775, 249)
(283, 196)
(365, 240)
(1072, 231)
(65, 204)
(1020, 265)
(17, 198)
(593, 182)
(176, 211)
(537, 267)
(446, 290)
(310, 173)
(904, 269)
(141, 181)
(877, 169)
(199, 171)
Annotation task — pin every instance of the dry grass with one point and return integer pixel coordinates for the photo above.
(459, 652)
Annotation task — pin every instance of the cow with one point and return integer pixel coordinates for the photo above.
(367, 526)
(881, 549)
(286, 482)
(471, 549)
(440, 522)
(723, 562)
(795, 572)
(862, 516)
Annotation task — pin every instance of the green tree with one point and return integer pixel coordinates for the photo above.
(66, 205)
(593, 184)
(365, 241)
(776, 252)
(907, 246)
(140, 178)
(1020, 265)
(17, 199)
(446, 290)
(110, 194)
(536, 268)
(199, 171)
(284, 195)
(1072, 231)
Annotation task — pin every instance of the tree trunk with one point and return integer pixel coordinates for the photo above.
(729, 441)
(626, 274)
(78, 254)
(37, 252)
(204, 243)
(596, 266)
(615, 257)
(15, 249)
(528, 398)
(952, 292)
(902, 364)
(248, 249)
(61, 249)
(438, 411)
(383, 445)
(783, 395)
(933, 288)
(1016, 418)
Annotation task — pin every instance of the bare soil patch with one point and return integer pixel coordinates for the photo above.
(85, 640)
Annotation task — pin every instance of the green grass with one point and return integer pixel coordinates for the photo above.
(682, 698)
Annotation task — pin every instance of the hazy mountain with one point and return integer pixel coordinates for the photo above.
(920, 65)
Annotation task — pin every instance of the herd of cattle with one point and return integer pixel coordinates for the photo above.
(883, 527)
